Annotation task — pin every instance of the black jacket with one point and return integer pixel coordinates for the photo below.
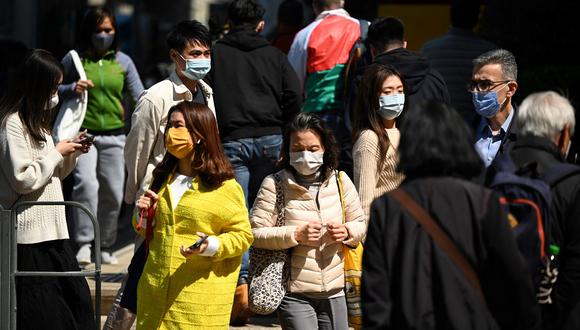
(256, 91)
(507, 142)
(565, 225)
(409, 282)
(424, 82)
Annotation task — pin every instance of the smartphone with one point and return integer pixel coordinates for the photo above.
(198, 243)
(87, 139)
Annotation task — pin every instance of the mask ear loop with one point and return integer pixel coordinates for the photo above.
(506, 97)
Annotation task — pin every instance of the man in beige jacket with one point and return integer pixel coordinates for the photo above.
(188, 43)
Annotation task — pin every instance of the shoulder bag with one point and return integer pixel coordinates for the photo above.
(72, 111)
(269, 270)
(352, 271)
(440, 237)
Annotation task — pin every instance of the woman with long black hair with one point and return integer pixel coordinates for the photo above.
(32, 170)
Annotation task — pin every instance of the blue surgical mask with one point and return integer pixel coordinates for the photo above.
(196, 68)
(391, 106)
(486, 103)
(102, 41)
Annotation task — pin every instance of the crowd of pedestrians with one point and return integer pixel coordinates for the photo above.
(311, 153)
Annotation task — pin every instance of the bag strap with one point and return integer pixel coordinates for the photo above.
(280, 221)
(78, 64)
(148, 230)
(340, 192)
(439, 236)
(560, 172)
(149, 214)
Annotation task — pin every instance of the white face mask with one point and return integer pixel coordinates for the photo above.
(568, 150)
(196, 68)
(391, 106)
(53, 102)
(306, 162)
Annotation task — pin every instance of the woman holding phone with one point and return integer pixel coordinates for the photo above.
(185, 286)
(32, 168)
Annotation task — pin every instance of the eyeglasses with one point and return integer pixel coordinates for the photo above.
(484, 85)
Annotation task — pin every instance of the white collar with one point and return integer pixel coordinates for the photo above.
(339, 12)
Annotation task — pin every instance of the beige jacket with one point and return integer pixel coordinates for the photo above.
(317, 267)
(145, 148)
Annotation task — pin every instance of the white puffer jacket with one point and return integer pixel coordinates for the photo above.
(316, 267)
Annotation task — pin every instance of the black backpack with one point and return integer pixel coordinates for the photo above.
(529, 200)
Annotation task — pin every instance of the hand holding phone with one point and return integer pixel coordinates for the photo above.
(87, 139)
(198, 243)
(195, 248)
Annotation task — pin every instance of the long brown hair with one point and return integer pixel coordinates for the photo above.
(209, 160)
(366, 116)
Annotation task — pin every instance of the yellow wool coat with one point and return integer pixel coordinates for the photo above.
(197, 292)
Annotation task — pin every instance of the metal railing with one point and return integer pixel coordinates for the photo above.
(8, 262)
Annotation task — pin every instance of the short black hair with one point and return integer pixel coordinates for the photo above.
(242, 12)
(309, 121)
(435, 142)
(386, 31)
(186, 31)
(325, 4)
(464, 13)
(91, 20)
(291, 13)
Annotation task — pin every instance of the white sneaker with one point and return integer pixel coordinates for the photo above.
(108, 258)
(84, 255)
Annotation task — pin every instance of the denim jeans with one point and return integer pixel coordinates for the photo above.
(253, 159)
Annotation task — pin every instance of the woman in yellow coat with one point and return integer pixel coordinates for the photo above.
(183, 287)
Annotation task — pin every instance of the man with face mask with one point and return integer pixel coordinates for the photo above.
(493, 86)
(546, 125)
(189, 48)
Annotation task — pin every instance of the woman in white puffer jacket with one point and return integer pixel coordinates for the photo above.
(314, 229)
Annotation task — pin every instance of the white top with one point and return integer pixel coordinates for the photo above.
(180, 184)
(32, 172)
